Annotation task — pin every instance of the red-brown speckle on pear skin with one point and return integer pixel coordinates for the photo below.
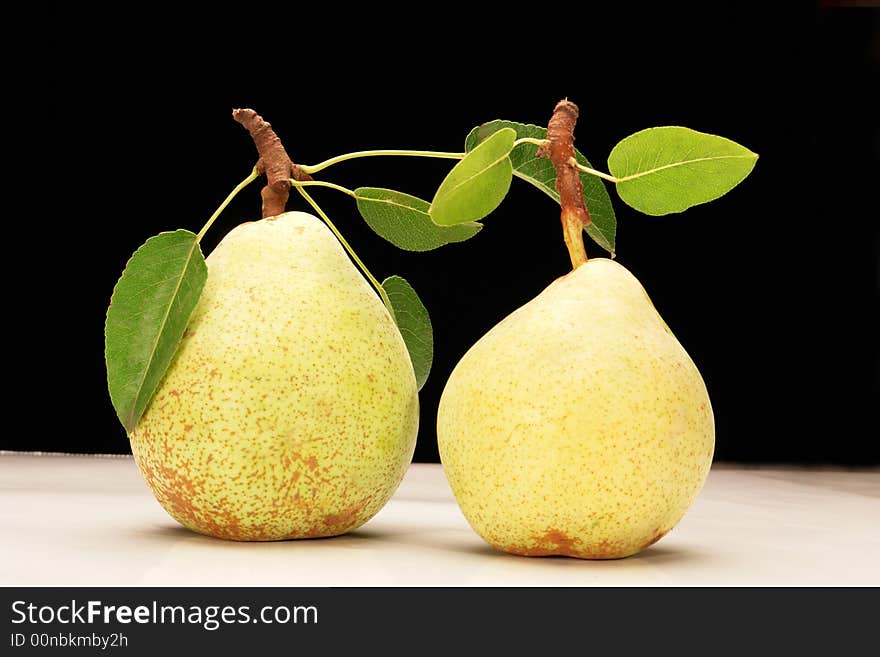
(556, 543)
(261, 439)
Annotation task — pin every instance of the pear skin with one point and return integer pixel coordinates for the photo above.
(290, 409)
(578, 425)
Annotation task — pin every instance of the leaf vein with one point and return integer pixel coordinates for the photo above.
(672, 165)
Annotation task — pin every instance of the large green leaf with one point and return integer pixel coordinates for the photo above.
(477, 184)
(539, 171)
(414, 324)
(404, 221)
(670, 169)
(149, 310)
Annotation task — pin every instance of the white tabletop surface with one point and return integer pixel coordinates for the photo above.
(78, 520)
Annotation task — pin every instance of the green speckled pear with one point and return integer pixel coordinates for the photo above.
(577, 426)
(291, 408)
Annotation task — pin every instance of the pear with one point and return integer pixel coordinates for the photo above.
(290, 409)
(578, 425)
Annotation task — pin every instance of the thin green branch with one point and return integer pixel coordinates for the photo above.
(593, 172)
(314, 168)
(240, 186)
(529, 140)
(348, 248)
(322, 183)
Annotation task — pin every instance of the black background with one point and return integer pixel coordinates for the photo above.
(772, 289)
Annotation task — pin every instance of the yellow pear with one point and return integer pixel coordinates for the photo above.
(578, 425)
(290, 409)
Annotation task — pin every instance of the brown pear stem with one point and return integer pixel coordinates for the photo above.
(560, 149)
(274, 161)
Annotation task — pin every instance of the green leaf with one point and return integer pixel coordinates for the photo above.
(670, 169)
(414, 324)
(539, 172)
(477, 184)
(404, 221)
(149, 310)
